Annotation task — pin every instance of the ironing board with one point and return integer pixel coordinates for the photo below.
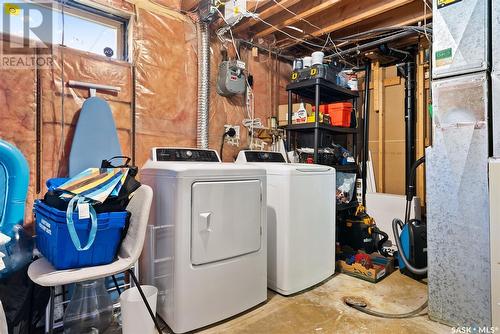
(95, 136)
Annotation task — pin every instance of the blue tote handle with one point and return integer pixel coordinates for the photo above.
(71, 225)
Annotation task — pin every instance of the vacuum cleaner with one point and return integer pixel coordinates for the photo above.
(412, 250)
(412, 242)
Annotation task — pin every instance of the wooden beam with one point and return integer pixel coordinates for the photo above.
(251, 4)
(301, 16)
(266, 13)
(421, 113)
(378, 107)
(365, 15)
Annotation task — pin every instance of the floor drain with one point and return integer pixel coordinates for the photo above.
(355, 301)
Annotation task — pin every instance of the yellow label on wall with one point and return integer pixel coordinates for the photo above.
(314, 71)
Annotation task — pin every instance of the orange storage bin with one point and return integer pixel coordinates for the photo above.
(340, 105)
(323, 108)
(340, 114)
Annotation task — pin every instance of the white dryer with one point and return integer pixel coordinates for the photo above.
(300, 221)
(206, 245)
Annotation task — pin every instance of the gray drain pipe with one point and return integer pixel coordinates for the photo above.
(203, 83)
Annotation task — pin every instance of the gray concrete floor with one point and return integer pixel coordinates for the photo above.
(321, 310)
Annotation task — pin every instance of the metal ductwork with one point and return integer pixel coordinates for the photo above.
(203, 83)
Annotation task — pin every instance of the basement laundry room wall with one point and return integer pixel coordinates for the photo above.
(164, 58)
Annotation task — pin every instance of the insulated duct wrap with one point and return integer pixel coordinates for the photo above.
(203, 84)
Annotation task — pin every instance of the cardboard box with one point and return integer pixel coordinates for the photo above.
(383, 266)
(283, 112)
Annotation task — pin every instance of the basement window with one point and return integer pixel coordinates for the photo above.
(76, 26)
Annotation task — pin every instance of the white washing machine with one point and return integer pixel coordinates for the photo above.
(300, 221)
(205, 249)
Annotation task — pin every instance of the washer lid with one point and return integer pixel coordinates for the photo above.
(225, 219)
(260, 156)
(293, 168)
(200, 169)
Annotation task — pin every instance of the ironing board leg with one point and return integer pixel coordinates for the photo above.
(51, 309)
(136, 282)
(116, 285)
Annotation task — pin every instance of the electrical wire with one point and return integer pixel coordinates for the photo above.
(328, 39)
(251, 122)
(287, 34)
(295, 14)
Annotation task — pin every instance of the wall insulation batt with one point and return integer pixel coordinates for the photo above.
(163, 54)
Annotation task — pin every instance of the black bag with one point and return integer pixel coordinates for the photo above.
(24, 302)
(111, 204)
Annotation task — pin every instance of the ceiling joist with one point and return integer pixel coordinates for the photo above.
(299, 17)
(356, 18)
(265, 14)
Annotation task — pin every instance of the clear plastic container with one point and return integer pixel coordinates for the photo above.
(16, 251)
(90, 310)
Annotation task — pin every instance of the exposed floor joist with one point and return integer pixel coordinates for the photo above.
(394, 22)
(356, 18)
(301, 16)
(265, 14)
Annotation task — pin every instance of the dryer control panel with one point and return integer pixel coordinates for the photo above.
(260, 156)
(184, 154)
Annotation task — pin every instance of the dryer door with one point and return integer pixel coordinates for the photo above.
(226, 219)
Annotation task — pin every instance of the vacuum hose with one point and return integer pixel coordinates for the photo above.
(388, 315)
(381, 242)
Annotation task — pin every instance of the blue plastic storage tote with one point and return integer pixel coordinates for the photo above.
(54, 242)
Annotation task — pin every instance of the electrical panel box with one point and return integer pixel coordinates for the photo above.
(460, 37)
(231, 79)
(234, 10)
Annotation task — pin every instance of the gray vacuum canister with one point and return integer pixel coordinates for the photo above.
(231, 79)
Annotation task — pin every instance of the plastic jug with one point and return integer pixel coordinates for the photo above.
(90, 310)
(135, 315)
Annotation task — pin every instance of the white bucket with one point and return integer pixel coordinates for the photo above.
(317, 57)
(135, 315)
(307, 62)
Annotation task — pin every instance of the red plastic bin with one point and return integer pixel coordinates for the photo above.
(340, 114)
